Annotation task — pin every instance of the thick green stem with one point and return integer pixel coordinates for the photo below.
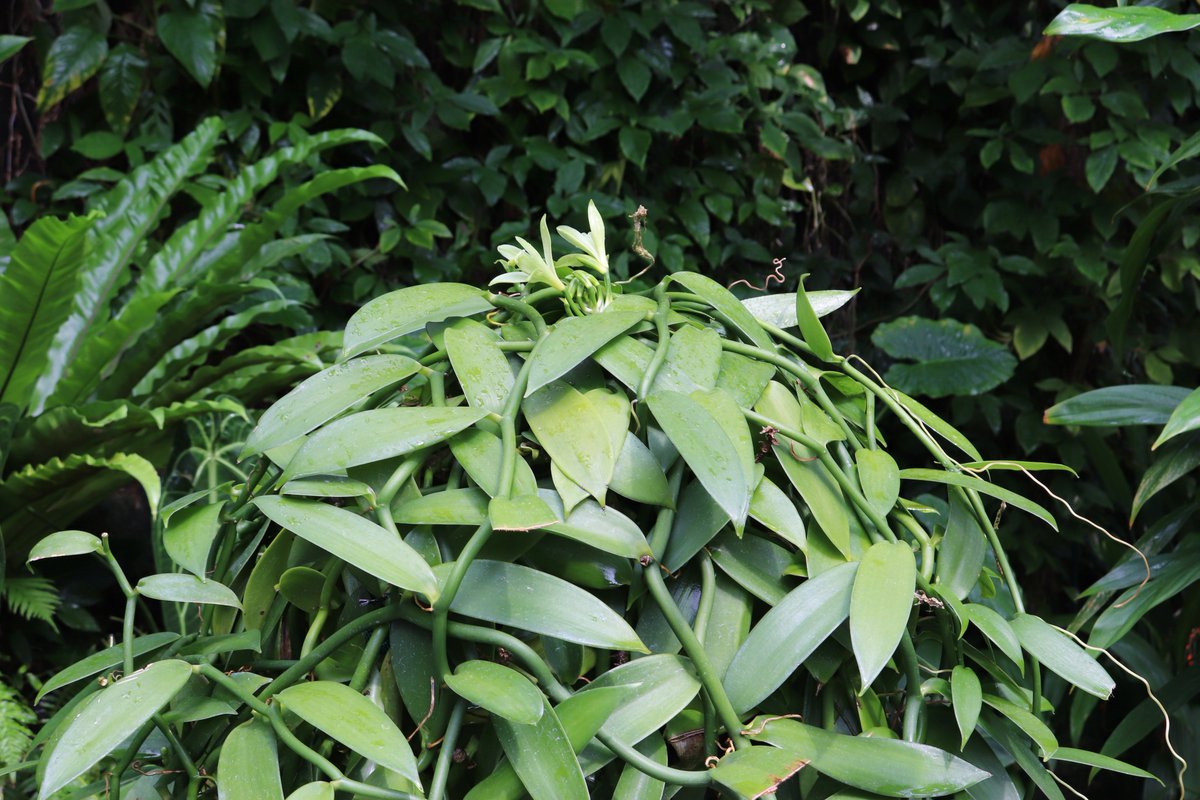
(664, 339)
(708, 590)
(366, 662)
(515, 306)
(130, 601)
(181, 754)
(441, 771)
(914, 703)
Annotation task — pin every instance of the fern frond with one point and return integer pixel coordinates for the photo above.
(32, 598)
(15, 719)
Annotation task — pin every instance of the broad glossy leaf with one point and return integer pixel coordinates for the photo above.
(479, 364)
(701, 439)
(810, 326)
(103, 660)
(190, 534)
(526, 599)
(375, 435)
(569, 492)
(1179, 458)
(352, 719)
(779, 310)
(195, 35)
(259, 593)
(880, 479)
(38, 284)
(756, 772)
(604, 528)
(301, 586)
(1030, 725)
(248, 768)
(408, 310)
(744, 378)
(887, 766)
(353, 539)
(637, 474)
(542, 756)
(197, 709)
(563, 419)
(65, 543)
(787, 635)
(480, 453)
(324, 396)
(967, 696)
(524, 512)
(1059, 654)
(774, 509)
(755, 563)
(1099, 761)
(1119, 406)
(178, 587)
(10, 45)
(99, 726)
(985, 487)
(658, 687)
(120, 85)
(572, 340)
(693, 361)
(963, 550)
(728, 414)
(720, 298)
(998, 630)
(880, 605)
(72, 59)
(951, 358)
(448, 507)
(1134, 603)
(498, 689)
(696, 522)
(1123, 24)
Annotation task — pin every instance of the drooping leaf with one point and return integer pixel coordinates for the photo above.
(325, 395)
(177, 587)
(880, 605)
(637, 474)
(787, 635)
(1178, 459)
(1119, 406)
(779, 310)
(998, 630)
(65, 543)
(1062, 656)
(810, 326)
(571, 341)
(248, 768)
(1099, 761)
(963, 549)
(879, 477)
(542, 756)
(1135, 602)
(353, 539)
(967, 697)
(755, 772)
(73, 58)
(774, 509)
(104, 659)
(190, 534)
(407, 310)
(378, 434)
(951, 358)
(978, 484)
(479, 364)
(195, 35)
(1122, 24)
(99, 727)
(527, 599)
(601, 527)
(584, 452)
(701, 439)
(498, 689)
(889, 767)
(347, 716)
(1030, 725)
(121, 80)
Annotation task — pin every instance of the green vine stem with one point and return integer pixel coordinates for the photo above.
(441, 770)
(515, 306)
(130, 601)
(661, 317)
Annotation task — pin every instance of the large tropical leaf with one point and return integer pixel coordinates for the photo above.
(950, 358)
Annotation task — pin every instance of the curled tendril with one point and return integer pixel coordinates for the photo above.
(776, 276)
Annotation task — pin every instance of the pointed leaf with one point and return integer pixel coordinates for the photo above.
(787, 635)
(104, 660)
(526, 599)
(810, 326)
(375, 435)
(1128, 24)
(572, 340)
(479, 364)
(480, 453)
(1119, 406)
(73, 58)
(179, 588)
(774, 509)
(500, 690)
(353, 539)
(1062, 656)
(980, 485)
(880, 479)
(604, 528)
(967, 697)
(701, 439)
(1076, 756)
(755, 772)
(325, 395)
(101, 725)
(720, 298)
(408, 310)
(525, 512)
(754, 563)
(880, 605)
(195, 35)
(997, 629)
(328, 486)
(65, 543)
(637, 474)
(561, 418)
(345, 715)
(449, 507)
(1033, 727)
(190, 534)
(780, 309)
(542, 756)
(248, 768)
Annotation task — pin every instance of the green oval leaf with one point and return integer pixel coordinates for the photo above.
(177, 587)
(73, 57)
(951, 358)
(787, 635)
(317, 790)
(407, 310)
(702, 440)
(779, 310)
(103, 660)
(880, 605)
(105, 722)
(996, 628)
(328, 486)
(637, 474)
(723, 301)
(448, 507)
(542, 756)
(353, 539)
(248, 768)
(1185, 417)
(1119, 406)
(887, 766)
(563, 419)
(810, 326)
(967, 696)
(1123, 24)
(65, 543)
(345, 715)
(1059, 654)
(480, 365)
(526, 599)
(301, 586)
(500, 690)
(324, 396)
(481, 454)
(880, 479)
(982, 486)
(190, 534)
(572, 340)
(375, 435)
(755, 772)
(774, 509)
(601, 527)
